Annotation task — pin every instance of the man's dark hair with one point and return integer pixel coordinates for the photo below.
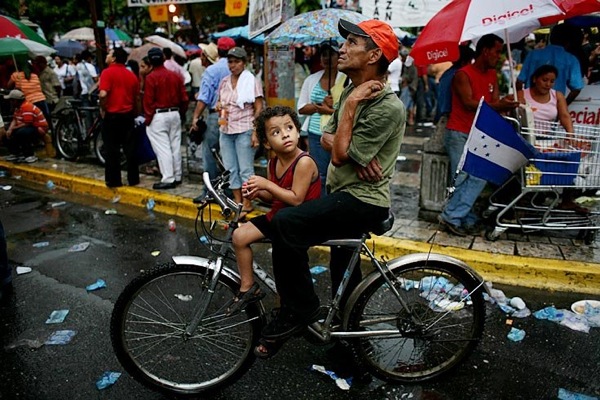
(168, 53)
(487, 42)
(120, 55)
(277, 111)
(543, 70)
(86, 54)
(383, 64)
(222, 53)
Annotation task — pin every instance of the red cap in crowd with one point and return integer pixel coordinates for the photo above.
(381, 32)
(225, 43)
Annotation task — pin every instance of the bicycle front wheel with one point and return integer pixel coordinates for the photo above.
(148, 331)
(439, 324)
(67, 137)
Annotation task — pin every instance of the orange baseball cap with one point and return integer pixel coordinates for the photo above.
(381, 32)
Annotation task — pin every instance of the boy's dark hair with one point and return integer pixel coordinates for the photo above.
(270, 112)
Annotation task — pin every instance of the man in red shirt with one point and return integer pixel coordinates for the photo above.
(165, 105)
(470, 84)
(27, 128)
(119, 92)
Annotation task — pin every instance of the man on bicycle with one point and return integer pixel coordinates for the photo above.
(364, 136)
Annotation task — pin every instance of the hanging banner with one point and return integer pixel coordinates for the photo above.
(146, 3)
(159, 13)
(264, 14)
(402, 13)
(236, 8)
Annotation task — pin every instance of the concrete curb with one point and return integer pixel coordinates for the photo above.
(532, 272)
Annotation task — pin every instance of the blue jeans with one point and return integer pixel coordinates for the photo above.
(454, 142)
(321, 156)
(238, 157)
(457, 210)
(211, 140)
(406, 97)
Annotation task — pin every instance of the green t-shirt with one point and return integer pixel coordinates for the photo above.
(377, 132)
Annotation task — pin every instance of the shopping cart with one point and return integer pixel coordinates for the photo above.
(564, 162)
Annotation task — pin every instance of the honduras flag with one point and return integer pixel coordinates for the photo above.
(494, 149)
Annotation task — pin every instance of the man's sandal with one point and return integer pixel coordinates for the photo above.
(267, 348)
(242, 299)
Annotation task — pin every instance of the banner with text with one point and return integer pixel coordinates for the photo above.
(146, 3)
(264, 14)
(402, 13)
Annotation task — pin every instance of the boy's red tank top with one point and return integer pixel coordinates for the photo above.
(286, 180)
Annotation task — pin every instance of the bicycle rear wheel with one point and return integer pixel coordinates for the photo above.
(67, 136)
(99, 149)
(148, 332)
(440, 326)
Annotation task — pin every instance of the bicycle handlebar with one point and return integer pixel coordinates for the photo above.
(223, 203)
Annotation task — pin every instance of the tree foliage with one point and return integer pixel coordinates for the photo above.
(71, 14)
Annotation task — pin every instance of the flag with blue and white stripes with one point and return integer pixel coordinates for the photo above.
(494, 149)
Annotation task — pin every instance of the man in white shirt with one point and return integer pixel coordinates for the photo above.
(88, 76)
(196, 69)
(66, 75)
(395, 75)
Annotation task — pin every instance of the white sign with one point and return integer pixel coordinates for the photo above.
(264, 14)
(585, 109)
(146, 3)
(402, 13)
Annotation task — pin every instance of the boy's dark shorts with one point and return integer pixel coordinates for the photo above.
(263, 225)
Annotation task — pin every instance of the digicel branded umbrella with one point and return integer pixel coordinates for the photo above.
(10, 27)
(463, 20)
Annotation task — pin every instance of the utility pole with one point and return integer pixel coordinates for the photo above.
(99, 34)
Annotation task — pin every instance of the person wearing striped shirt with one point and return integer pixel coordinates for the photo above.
(26, 129)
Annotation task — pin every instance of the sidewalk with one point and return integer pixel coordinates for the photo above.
(557, 262)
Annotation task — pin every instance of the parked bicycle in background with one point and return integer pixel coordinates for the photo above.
(73, 135)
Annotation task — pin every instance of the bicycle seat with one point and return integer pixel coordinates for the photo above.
(383, 226)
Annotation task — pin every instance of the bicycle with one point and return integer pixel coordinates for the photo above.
(412, 319)
(73, 138)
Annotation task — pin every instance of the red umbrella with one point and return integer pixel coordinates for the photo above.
(574, 8)
(463, 20)
(10, 27)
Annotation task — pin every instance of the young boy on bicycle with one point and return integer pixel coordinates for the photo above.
(292, 179)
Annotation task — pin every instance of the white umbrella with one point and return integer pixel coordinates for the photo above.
(160, 41)
(79, 34)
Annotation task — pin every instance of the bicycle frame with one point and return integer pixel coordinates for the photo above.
(323, 330)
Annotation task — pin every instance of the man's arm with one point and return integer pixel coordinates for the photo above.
(343, 136)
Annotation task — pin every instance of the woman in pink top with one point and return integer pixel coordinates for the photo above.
(240, 102)
(546, 103)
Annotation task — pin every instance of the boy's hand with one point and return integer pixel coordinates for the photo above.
(255, 184)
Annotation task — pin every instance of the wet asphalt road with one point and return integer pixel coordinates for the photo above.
(550, 357)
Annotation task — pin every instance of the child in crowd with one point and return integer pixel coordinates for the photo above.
(292, 179)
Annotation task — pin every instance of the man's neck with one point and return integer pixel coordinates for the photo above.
(359, 77)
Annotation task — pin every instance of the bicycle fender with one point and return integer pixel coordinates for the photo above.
(206, 263)
(405, 262)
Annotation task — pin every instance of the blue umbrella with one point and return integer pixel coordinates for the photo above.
(313, 27)
(68, 48)
(239, 32)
